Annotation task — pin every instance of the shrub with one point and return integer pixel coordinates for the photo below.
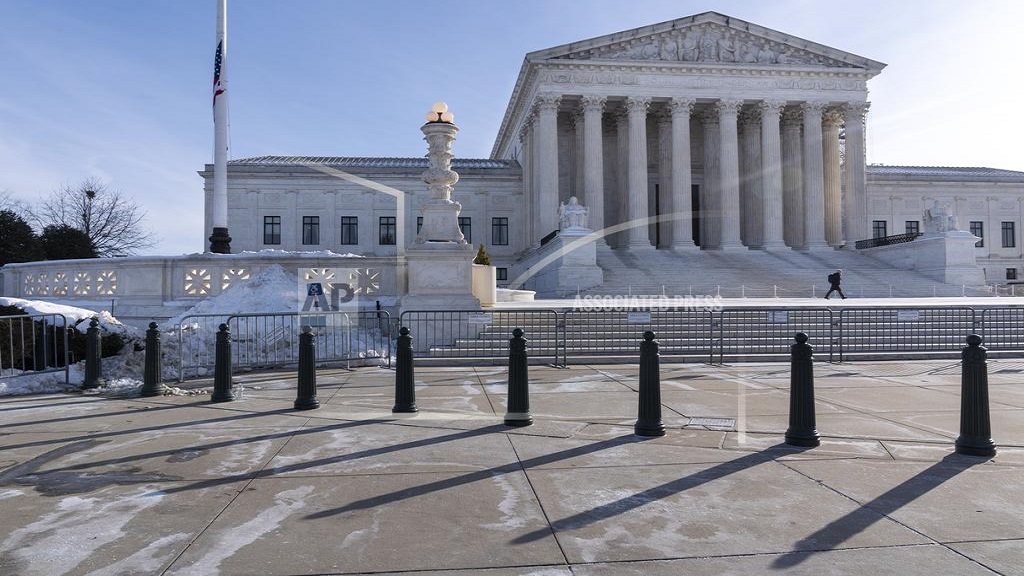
(482, 257)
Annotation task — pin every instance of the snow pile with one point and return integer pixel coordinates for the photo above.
(272, 290)
(78, 318)
(192, 335)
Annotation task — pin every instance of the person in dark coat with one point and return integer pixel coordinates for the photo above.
(834, 279)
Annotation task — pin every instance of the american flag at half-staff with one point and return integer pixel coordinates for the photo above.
(218, 57)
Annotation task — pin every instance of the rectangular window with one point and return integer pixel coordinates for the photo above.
(978, 229)
(499, 231)
(387, 230)
(419, 224)
(310, 230)
(913, 227)
(1011, 273)
(501, 274)
(271, 229)
(466, 225)
(878, 229)
(1009, 238)
(349, 230)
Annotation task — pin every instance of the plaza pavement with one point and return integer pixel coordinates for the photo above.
(177, 485)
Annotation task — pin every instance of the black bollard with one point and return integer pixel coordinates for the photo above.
(803, 431)
(405, 381)
(518, 413)
(306, 399)
(648, 421)
(93, 346)
(975, 427)
(222, 367)
(153, 373)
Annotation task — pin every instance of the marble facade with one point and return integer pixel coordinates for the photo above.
(705, 132)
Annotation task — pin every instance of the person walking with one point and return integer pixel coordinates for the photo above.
(834, 279)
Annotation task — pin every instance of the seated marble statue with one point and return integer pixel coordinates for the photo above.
(573, 215)
(938, 219)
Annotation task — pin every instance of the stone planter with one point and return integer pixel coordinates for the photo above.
(485, 284)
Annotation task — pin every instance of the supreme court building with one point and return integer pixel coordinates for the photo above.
(702, 133)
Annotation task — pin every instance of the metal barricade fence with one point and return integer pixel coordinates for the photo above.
(484, 335)
(767, 333)
(1002, 328)
(34, 344)
(883, 331)
(272, 339)
(618, 333)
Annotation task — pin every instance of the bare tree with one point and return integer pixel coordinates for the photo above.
(112, 221)
(9, 202)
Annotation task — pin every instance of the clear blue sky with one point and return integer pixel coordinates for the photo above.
(120, 89)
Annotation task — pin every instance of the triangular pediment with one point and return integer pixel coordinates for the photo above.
(708, 38)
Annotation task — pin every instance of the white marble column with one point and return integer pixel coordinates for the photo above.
(682, 179)
(526, 155)
(771, 174)
(622, 175)
(855, 200)
(710, 200)
(593, 159)
(547, 158)
(578, 189)
(751, 198)
(729, 172)
(636, 188)
(814, 178)
(830, 124)
(792, 178)
(664, 205)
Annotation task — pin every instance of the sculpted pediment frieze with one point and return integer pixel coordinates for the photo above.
(707, 43)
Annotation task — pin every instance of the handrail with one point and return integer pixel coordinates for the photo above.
(886, 240)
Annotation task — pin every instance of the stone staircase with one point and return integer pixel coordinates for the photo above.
(759, 274)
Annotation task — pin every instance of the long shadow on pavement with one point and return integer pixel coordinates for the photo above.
(639, 499)
(447, 483)
(842, 529)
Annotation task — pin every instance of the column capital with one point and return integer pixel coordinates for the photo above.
(728, 106)
(853, 109)
(547, 102)
(592, 103)
(771, 106)
(813, 108)
(682, 105)
(663, 116)
(792, 116)
(833, 118)
(750, 117)
(524, 132)
(709, 116)
(638, 104)
(620, 116)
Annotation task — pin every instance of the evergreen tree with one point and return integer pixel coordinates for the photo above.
(18, 243)
(63, 242)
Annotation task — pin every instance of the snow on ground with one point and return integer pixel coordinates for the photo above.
(272, 290)
(78, 318)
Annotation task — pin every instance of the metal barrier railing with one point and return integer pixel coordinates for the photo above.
(261, 340)
(465, 334)
(596, 333)
(34, 344)
(1002, 328)
(766, 332)
(272, 339)
(894, 330)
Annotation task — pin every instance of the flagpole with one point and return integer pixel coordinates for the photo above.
(220, 241)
